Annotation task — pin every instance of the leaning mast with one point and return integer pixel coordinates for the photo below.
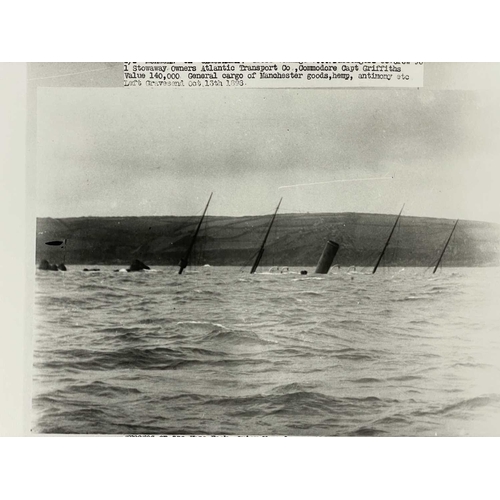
(387, 242)
(444, 249)
(184, 262)
(261, 250)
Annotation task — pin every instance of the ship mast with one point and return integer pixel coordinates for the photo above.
(387, 242)
(261, 250)
(444, 249)
(184, 262)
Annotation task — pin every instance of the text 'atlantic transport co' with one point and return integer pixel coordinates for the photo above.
(272, 75)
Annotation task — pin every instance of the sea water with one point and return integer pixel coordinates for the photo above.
(216, 350)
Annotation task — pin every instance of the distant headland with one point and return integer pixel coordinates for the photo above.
(296, 240)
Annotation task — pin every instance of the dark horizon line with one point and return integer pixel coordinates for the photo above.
(264, 215)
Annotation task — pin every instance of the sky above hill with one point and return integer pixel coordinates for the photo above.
(132, 152)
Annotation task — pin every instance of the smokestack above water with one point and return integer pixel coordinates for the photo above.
(326, 259)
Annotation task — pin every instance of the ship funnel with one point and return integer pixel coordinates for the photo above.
(326, 259)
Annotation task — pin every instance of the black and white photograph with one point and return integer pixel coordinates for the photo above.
(265, 261)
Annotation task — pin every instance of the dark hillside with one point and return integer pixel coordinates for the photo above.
(296, 240)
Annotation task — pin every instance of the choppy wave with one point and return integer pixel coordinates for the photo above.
(229, 353)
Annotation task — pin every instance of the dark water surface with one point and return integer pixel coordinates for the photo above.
(218, 351)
